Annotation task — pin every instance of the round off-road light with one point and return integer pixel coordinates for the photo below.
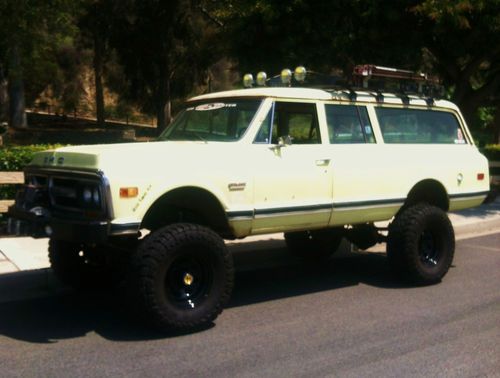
(261, 79)
(188, 279)
(248, 80)
(286, 76)
(300, 74)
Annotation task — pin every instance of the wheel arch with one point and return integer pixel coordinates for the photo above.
(430, 191)
(187, 204)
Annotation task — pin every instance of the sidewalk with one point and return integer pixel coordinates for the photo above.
(24, 265)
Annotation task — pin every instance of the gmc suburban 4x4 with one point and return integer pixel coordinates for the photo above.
(318, 165)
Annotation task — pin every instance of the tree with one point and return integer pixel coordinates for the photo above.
(30, 31)
(463, 41)
(272, 34)
(96, 30)
(165, 48)
(457, 39)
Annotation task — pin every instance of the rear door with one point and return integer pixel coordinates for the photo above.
(362, 172)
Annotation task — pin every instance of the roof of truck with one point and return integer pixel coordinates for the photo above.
(323, 94)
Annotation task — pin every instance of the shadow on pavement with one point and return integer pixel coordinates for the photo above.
(261, 276)
(482, 212)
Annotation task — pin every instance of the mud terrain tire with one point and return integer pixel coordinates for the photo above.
(182, 276)
(421, 244)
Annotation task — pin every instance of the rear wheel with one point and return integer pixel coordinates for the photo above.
(182, 276)
(421, 244)
(315, 244)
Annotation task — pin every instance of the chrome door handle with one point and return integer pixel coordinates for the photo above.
(322, 162)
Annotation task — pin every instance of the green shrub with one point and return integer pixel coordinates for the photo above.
(15, 159)
(492, 152)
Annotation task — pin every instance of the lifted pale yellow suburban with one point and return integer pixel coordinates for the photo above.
(316, 164)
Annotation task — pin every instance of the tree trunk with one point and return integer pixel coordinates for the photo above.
(168, 104)
(4, 109)
(496, 126)
(17, 111)
(164, 112)
(98, 69)
(160, 115)
(469, 112)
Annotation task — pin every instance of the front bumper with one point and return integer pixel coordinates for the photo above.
(23, 223)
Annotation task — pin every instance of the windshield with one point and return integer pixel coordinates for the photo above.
(220, 121)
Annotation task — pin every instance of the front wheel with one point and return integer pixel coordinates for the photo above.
(182, 276)
(421, 244)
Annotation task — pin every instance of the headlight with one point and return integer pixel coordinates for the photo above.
(96, 197)
(87, 195)
(91, 196)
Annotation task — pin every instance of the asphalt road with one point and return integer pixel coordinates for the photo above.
(347, 318)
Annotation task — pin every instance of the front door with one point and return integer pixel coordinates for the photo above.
(293, 183)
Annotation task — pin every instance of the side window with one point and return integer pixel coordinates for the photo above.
(419, 126)
(297, 120)
(348, 124)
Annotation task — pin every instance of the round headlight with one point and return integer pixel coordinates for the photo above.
(261, 78)
(286, 76)
(87, 194)
(96, 197)
(300, 74)
(248, 80)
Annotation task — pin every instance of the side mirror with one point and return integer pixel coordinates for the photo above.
(284, 141)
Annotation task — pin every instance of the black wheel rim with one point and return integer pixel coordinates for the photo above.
(189, 280)
(429, 249)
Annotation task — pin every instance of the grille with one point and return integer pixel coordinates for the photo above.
(76, 194)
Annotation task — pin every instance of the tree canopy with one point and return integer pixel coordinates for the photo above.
(31, 31)
(154, 53)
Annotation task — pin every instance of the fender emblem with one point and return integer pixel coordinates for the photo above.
(237, 186)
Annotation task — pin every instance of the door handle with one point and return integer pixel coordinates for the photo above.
(322, 162)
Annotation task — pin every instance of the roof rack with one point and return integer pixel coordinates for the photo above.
(368, 77)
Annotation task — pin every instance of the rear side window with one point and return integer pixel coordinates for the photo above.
(348, 124)
(419, 126)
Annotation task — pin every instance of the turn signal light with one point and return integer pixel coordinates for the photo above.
(480, 176)
(129, 192)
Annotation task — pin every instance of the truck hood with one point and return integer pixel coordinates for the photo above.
(128, 157)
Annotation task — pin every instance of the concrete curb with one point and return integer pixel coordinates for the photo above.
(472, 230)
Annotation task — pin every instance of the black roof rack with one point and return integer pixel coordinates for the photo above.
(369, 78)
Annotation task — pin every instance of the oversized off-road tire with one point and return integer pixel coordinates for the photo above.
(79, 266)
(421, 244)
(182, 276)
(315, 244)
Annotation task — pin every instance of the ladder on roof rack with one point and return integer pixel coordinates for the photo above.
(404, 82)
